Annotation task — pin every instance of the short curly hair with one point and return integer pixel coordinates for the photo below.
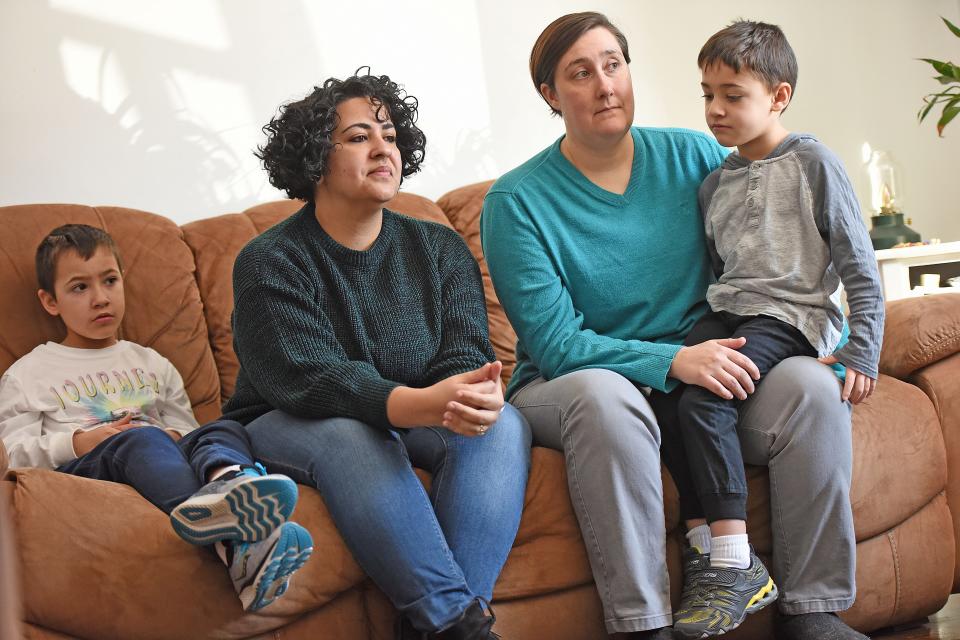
(300, 136)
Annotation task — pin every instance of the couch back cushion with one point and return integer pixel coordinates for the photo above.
(163, 308)
(215, 243)
(463, 207)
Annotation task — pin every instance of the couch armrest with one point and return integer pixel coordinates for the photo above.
(10, 612)
(919, 332)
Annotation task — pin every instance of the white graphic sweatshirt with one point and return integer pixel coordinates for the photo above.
(54, 391)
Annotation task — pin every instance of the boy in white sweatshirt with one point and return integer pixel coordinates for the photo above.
(98, 407)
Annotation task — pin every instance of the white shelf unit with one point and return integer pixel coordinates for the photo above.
(895, 265)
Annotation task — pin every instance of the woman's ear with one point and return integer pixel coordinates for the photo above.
(781, 97)
(550, 95)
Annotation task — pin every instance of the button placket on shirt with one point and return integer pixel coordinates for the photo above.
(754, 196)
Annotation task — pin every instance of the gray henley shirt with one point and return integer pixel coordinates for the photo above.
(783, 233)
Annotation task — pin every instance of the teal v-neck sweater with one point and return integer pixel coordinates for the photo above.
(594, 279)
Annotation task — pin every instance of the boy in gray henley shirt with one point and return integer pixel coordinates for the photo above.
(783, 229)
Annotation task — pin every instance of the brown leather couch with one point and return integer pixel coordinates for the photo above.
(97, 561)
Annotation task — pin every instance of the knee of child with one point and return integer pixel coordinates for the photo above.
(147, 435)
(694, 402)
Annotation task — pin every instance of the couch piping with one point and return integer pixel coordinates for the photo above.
(934, 351)
(896, 568)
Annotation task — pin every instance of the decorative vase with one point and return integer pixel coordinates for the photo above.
(890, 230)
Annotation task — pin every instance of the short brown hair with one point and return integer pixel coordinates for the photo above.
(82, 238)
(558, 37)
(757, 46)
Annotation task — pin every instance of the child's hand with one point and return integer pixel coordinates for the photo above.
(86, 441)
(857, 386)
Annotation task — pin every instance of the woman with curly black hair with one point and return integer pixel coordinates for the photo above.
(363, 347)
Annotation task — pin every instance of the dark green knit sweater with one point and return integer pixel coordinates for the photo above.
(322, 330)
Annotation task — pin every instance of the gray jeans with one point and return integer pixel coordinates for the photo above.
(794, 423)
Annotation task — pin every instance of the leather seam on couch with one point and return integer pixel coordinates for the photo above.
(896, 569)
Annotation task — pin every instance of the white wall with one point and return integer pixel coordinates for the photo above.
(158, 104)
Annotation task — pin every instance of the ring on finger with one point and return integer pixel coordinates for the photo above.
(482, 429)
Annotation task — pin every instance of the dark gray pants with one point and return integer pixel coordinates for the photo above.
(698, 428)
(795, 424)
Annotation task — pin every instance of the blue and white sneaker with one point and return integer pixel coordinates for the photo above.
(240, 506)
(261, 571)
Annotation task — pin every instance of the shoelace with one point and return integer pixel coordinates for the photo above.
(711, 592)
(708, 598)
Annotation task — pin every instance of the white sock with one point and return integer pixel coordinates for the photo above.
(730, 551)
(219, 472)
(221, 550)
(699, 538)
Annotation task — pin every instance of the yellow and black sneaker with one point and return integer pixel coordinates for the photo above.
(722, 597)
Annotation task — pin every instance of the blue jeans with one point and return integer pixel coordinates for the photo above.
(431, 554)
(163, 471)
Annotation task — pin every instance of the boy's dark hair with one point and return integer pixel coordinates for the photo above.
(81, 238)
(557, 39)
(757, 46)
(300, 136)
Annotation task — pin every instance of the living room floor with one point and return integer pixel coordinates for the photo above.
(943, 625)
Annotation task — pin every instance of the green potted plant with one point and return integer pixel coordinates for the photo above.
(949, 75)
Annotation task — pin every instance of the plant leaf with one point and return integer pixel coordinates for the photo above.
(946, 79)
(942, 96)
(951, 26)
(946, 93)
(925, 110)
(949, 113)
(944, 68)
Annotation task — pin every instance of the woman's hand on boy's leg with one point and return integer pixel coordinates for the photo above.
(718, 367)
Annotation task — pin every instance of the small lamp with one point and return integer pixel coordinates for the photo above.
(886, 196)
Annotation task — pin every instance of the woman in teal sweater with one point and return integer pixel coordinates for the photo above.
(363, 347)
(596, 249)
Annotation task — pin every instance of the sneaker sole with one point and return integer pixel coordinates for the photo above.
(293, 548)
(250, 512)
(763, 598)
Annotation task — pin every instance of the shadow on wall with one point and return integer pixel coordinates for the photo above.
(168, 116)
